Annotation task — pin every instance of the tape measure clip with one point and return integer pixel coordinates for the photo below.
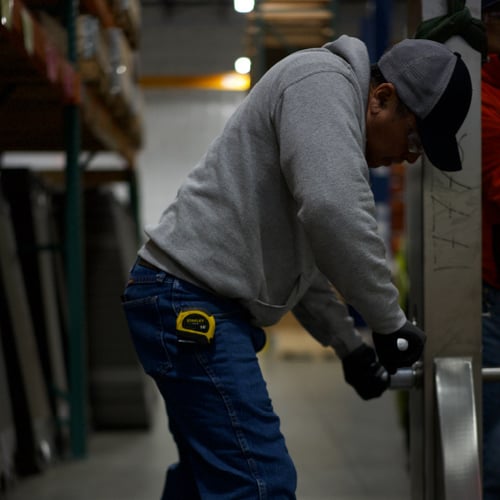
(195, 327)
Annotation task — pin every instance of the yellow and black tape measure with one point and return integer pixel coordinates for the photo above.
(195, 326)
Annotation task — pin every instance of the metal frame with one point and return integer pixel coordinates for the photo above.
(444, 226)
(457, 438)
(74, 261)
(457, 412)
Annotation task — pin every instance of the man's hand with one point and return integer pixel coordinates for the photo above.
(401, 348)
(364, 372)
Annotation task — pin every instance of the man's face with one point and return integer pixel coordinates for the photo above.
(391, 135)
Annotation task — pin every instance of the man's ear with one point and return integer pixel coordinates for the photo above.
(381, 96)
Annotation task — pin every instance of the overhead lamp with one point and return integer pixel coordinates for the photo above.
(244, 6)
(242, 65)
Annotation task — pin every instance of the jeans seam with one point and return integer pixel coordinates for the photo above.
(245, 449)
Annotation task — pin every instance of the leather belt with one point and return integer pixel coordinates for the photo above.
(144, 263)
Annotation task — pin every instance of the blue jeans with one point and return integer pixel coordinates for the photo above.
(491, 394)
(219, 411)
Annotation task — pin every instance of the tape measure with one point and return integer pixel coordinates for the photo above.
(195, 327)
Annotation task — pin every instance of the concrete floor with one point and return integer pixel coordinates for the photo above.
(344, 448)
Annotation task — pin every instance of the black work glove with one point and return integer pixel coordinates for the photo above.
(364, 372)
(401, 348)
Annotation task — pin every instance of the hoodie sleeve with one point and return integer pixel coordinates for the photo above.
(326, 317)
(320, 123)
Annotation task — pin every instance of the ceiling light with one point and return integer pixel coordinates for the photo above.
(244, 6)
(242, 65)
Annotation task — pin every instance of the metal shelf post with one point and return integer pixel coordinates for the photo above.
(74, 262)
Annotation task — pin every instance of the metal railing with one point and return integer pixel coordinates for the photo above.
(457, 418)
(408, 378)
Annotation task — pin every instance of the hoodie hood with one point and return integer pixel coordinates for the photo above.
(355, 53)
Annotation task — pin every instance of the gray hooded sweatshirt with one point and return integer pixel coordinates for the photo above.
(280, 207)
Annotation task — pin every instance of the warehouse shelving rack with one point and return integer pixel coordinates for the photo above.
(46, 106)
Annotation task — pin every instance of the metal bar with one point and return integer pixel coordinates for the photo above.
(409, 378)
(134, 202)
(74, 262)
(491, 374)
(458, 428)
(406, 378)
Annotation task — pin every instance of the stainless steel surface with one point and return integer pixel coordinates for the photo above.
(491, 374)
(458, 428)
(444, 228)
(406, 378)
